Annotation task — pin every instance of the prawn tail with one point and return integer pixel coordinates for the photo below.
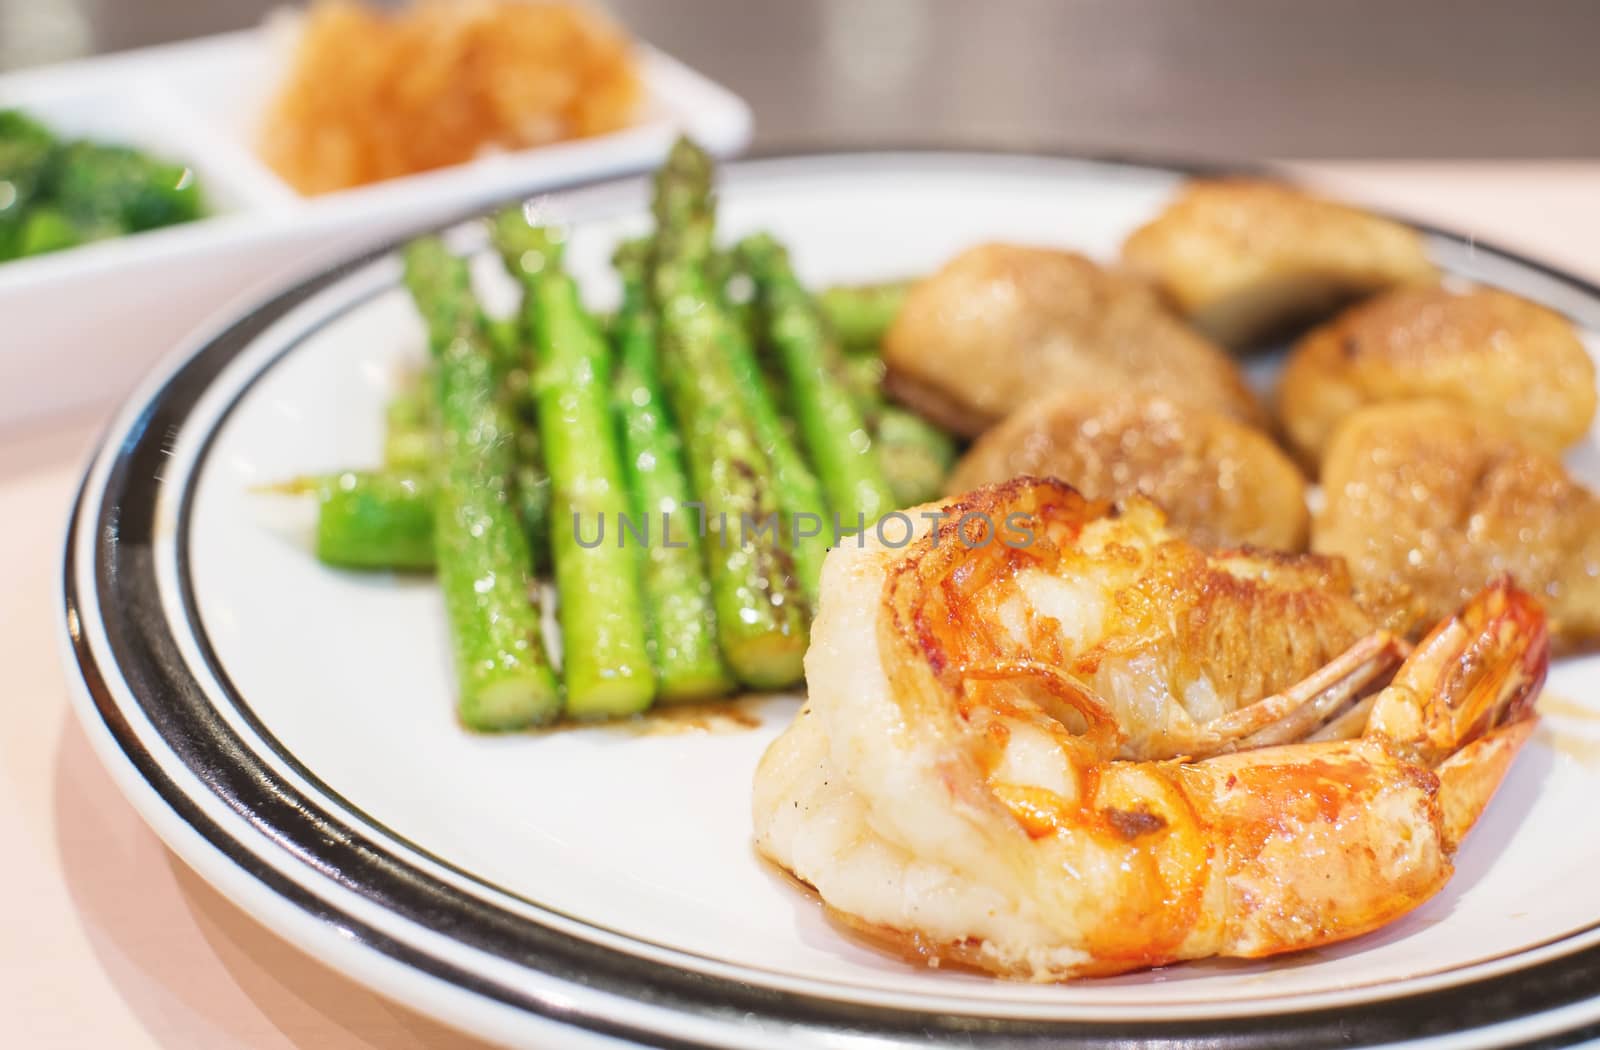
(1469, 778)
(1333, 703)
(1472, 681)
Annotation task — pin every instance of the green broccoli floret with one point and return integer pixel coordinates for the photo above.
(56, 195)
(115, 187)
(27, 150)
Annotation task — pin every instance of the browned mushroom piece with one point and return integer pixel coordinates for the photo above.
(1427, 503)
(1496, 355)
(1000, 325)
(1246, 260)
(1221, 482)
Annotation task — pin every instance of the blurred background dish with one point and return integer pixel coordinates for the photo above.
(372, 94)
(209, 104)
(59, 194)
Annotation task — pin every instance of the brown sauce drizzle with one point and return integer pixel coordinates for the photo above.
(1563, 707)
(737, 714)
(723, 716)
(1584, 750)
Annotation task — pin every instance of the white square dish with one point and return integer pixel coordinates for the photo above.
(80, 326)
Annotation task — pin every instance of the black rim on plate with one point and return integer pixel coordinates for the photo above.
(145, 655)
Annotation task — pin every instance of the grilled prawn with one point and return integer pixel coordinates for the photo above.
(1035, 744)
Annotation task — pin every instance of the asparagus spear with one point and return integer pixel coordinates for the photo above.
(760, 622)
(799, 495)
(733, 287)
(532, 486)
(410, 442)
(411, 445)
(834, 431)
(370, 519)
(505, 340)
(375, 520)
(915, 455)
(860, 315)
(683, 625)
(862, 374)
(383, 519)
(532, 480)
(606, 660)
(505, 679)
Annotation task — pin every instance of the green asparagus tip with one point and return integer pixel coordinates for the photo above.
(683, 186)
(688, 160)
(440, 286)
(428, 263)
(526, 247)
(760, 248)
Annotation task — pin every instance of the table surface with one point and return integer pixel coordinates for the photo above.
(108, 940)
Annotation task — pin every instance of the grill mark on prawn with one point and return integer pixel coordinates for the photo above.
(1133, 823)
(929, 643)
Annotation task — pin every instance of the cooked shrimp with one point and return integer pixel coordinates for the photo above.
(1034, 755)
(1220, 482)
(1428, 503)
(1246, 260)
(1494, 354)
(1001, 324)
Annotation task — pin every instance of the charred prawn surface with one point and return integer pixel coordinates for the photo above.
(1003, 763)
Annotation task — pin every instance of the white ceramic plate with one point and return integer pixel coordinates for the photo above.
(200, 101)
(288, 729)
